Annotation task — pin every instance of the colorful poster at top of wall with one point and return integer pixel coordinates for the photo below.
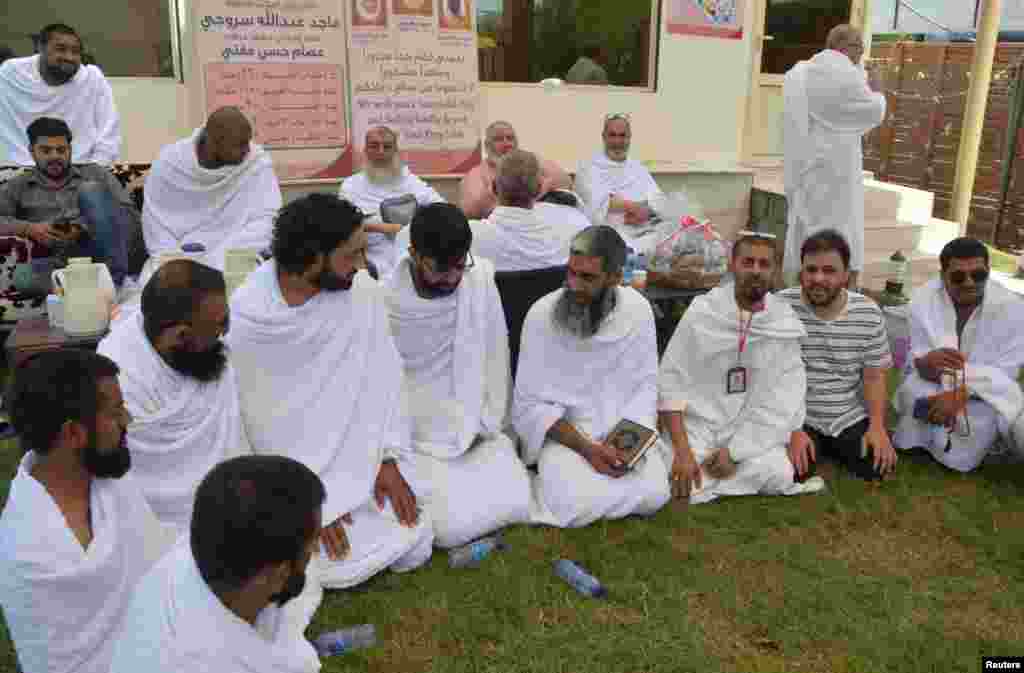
(415, 71)
(712, 18)
(285, 67)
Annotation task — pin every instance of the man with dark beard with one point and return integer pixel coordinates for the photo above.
(732, 385)
(321, 382)
(846, 354)
(213, 603)
(73, 210)
(76, 534)
(449, 327)
(589, 359)
(178, 385)
(55, 83)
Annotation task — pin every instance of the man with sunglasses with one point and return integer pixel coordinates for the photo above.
(828, 107)
(178, 384)
(961, 396)
(384, 177)
(589, 359)
(449, 327)
(617, 190)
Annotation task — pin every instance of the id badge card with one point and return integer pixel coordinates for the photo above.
(736, 380)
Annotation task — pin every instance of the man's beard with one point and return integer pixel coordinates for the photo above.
(293, 586)
(753, 287)
(384, 174)
(617, 154)
(45, 167)
(106, 465)
(61, 74)
(583, 320)
(428, 290)
(204, 366)
(829, 296)
(328, 281)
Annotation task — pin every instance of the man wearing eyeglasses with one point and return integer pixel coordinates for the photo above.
(449, 327)
(961, 396)
(383, 177)
(178, 385)
(828, 107)
(617, 190)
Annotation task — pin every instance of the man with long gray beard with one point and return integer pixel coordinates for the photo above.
(732, 386)
(589, 359)
(384, 177)
(178, 385)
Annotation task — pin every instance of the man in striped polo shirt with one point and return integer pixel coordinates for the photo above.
(846, 353)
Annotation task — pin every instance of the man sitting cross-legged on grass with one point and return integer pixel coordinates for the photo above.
(76, 534)
(732, 386)
(962, 326)
(589, 359)
(846, 354)
(321, 381)
(212, 605)
(449, 327)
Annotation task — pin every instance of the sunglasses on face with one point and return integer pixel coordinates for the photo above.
(979, 276)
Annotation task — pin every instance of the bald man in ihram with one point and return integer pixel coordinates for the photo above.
(384, 177)
(215, 188)
(828, 107)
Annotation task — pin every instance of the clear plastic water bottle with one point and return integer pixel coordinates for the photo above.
(345, 640)
(580, 579)
(472, 554)
(628, 266)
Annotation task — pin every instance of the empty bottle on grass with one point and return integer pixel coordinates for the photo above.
(580, 579)
(346, 640)
(472, 554)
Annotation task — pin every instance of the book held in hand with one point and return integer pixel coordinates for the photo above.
(632, 440)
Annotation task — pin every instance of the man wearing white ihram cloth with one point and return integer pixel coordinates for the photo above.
(178, 385)
(449, 327)
(828, 109)
(732, 385)
(384, 177)
(589, 359)
(620, 191)
(215, 188)
(54, 83)
(321, 382)
(966, 325)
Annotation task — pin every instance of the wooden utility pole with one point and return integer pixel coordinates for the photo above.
(974, 111)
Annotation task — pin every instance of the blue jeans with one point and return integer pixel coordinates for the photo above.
(109, 226)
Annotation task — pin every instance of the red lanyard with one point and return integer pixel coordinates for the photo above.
(744, 332)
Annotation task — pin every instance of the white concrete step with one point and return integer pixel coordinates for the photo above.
(886, 201)
(887, 238)
(923, 268)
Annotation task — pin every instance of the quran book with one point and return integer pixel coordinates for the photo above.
(632, 440)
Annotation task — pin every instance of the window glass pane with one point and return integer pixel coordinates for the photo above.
(125, 39)
(579, 41)
(798, 29)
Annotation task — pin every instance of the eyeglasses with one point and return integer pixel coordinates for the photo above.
(958, 277)
(382, 147)
(444, 269)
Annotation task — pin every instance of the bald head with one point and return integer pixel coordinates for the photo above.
(226, 136)
(499, 139)
(175, 292)
(848, 40)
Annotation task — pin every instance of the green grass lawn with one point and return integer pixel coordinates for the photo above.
(924, 572)
(921, 573)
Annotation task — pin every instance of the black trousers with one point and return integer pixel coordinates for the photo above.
(846, 448)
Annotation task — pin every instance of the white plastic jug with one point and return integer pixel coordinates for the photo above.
(88, 297)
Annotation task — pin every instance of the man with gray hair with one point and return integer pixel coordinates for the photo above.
(620, 191)
(828, 107)
(477, 196)
(589, 359)
(385, 177)
(516, 237)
